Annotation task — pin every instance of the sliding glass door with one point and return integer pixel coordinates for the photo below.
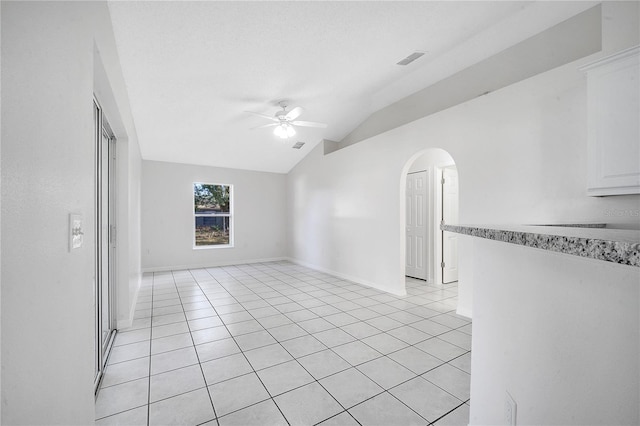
(105, 240)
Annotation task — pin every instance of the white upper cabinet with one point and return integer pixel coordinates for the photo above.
(613, 104)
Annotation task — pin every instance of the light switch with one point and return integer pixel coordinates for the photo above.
(76, 231)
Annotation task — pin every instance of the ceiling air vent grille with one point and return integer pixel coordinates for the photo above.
(298, 145)
(410, 58)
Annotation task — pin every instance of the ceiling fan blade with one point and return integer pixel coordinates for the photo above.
(265, 125)
(308, 124)
(294, 113)
(268, 117)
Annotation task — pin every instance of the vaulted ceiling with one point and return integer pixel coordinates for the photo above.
(193, 68)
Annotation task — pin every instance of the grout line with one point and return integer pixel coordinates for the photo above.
(241, 351)
(268, 278)
(204, 379)
(417, 375)
(311, 375)
(153, 281)
(350, 366)
(336, 415)
(447, 413)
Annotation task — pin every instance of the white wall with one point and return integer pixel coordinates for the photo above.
(110, 90)
(131, 277)
(0, 236)
(558, 332)
(167, 216)
(431, 158)
(128, 261)
(521, 158)
(48, 79)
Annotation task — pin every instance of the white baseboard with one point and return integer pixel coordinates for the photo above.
(210, 264)
(351, 278)
(464, 312)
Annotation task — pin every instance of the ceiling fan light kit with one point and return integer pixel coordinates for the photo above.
(284, 131)
(284, 121)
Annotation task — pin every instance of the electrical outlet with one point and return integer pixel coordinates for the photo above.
(510, 410)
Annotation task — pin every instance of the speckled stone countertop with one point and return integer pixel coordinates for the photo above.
(611, 245)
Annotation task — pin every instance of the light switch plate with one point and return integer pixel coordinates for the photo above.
(76, 231)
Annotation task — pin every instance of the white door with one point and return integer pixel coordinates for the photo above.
(449, 216)
(417, 225)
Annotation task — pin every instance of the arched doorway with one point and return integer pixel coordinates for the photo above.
(429, 194)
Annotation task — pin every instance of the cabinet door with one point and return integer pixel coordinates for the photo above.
(614, 129)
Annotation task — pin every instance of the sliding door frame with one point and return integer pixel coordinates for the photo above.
(105, 240)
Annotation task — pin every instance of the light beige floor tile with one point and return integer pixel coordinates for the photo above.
(308, 405)
(170, 343)
(350, 387)
(356, 353)
(135, 417)
(123, 397)
(237, 393)
(386, 372)
(217, 349)
(323, 363)
(172, 360)
(451, 379)
(225, 368)
(191, 408)
(260, 414)
(384, 409)
(175, 382)
(129, 352)
(415, 360)
(425, 398)
(284, 377)
(267, 356)
(125, 372)
(302, 346)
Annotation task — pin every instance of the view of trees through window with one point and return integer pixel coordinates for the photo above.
(212, 214)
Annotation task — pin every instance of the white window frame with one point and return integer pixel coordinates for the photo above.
(229, 215)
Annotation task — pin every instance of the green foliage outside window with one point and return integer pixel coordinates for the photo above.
(212, 215)
(208, 198)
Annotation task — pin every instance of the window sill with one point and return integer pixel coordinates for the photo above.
(226, 246)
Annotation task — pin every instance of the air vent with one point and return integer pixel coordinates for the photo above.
(410, 58)
(298, 145)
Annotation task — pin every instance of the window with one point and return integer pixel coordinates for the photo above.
(212, 213)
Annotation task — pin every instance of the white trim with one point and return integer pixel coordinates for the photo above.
(211, 264)
(356, 280)
(125, 323)
(228, 214)
(212, 246)
(625, 53)
(464, 312)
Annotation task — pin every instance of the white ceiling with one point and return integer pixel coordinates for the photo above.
(192, 68)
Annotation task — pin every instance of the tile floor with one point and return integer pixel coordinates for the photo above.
(277, 343)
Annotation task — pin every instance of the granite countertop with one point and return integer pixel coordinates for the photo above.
(593, 241)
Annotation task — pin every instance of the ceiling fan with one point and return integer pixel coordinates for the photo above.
(284, 121)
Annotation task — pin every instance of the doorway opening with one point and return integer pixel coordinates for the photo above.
(429, 198)
(105, 240)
